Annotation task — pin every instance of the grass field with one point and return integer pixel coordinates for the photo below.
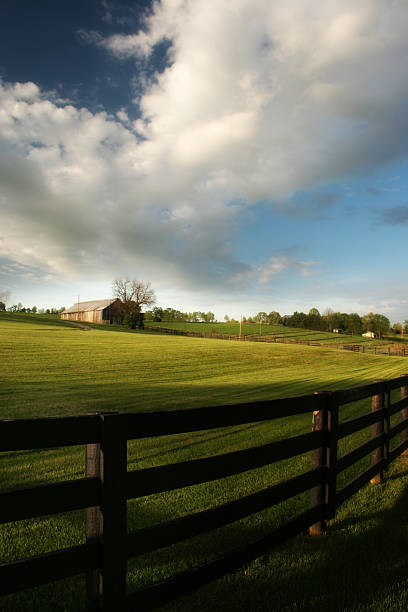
(274, 331)
(50, 368)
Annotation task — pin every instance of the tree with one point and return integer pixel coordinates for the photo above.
(274, 318)
(314, 311)
(261, 317)
(377, 323)
(133, 294)
(396, 328)
(2, 307)
(354, 323)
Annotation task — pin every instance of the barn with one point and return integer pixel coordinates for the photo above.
(95, 311)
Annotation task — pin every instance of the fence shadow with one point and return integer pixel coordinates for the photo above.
(361, 563)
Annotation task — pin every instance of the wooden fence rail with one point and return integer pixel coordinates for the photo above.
(108, 485)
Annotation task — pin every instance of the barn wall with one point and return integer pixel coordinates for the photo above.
(90, 316)
(105, 316)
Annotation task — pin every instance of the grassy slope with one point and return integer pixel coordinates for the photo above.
(53, 369)
(276, 331)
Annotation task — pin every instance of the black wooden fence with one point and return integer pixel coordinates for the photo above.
(108, 485)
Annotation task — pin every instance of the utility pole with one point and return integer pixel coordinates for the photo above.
(240, 327)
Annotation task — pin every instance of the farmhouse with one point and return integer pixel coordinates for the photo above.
(96, 311)
(369, 334)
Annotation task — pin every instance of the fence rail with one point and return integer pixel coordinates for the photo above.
(108, 485)
(377, 349)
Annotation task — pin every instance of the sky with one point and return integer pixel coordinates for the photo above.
(239, 155)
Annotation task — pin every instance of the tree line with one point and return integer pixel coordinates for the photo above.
(329, 321)
(29, 309)
(172, 314)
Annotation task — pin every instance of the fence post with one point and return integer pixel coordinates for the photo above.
(332, 425)
(319, 459)
(387, 424)
(404, 413)
(377, 429)
(106, 588)
(93, 526)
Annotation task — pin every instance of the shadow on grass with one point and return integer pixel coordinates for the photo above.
(360, 564)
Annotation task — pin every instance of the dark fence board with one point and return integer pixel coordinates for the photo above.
(41, 569)
(18, 504)
(398, 406)
(358, 393)
(23, 434)
(177, 475)
(358, 482)
(350, 458)
(353, 425)
(162, 592)
(396, 452)
(399, 428)
(395, 383)
(148, 424)
(164, 534)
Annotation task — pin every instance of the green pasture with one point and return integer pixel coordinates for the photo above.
(50, 368)
(275, 331)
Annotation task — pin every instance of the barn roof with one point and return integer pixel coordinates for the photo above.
(92, 305)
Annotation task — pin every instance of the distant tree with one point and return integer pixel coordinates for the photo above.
(354, 323)
(314, 311)
(274, 318)
(226, 318)
(133, 294)
(15, 307)
(207, 317)
(298, 319)
(261, 317)
(377, 323)
(157, 313)
(2, 307)
(396, 328)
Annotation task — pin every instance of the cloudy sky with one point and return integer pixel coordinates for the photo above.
(242, 155)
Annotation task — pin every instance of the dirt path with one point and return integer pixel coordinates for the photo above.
(80, 325)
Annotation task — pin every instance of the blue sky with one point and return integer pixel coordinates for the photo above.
(240, 155)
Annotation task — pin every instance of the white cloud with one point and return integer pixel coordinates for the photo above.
(277, 264)
(262, 99)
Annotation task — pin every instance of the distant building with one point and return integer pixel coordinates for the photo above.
(96, 311)
(337, 331)
(369, 334)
